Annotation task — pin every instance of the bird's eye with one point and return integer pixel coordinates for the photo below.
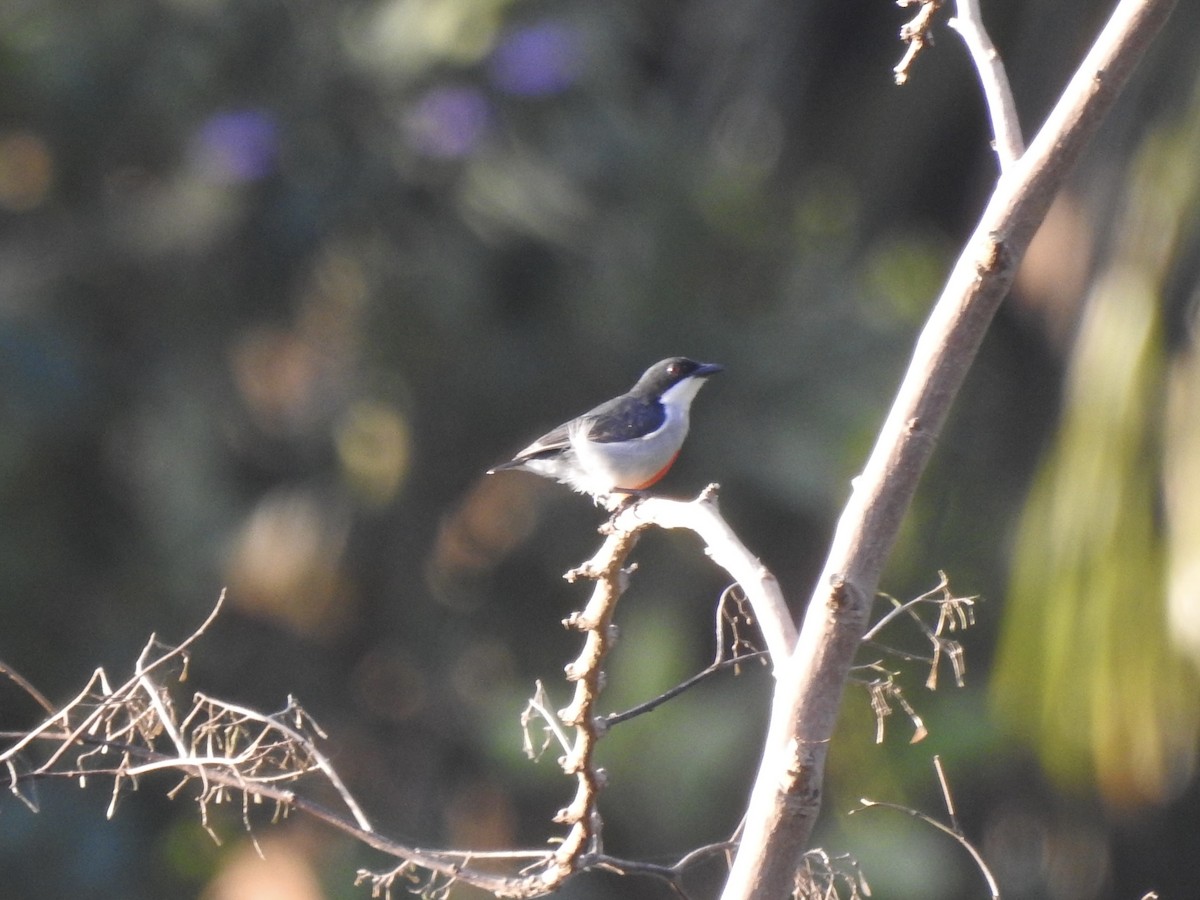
(673, 369)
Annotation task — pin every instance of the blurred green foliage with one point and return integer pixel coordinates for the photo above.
(1094, 661)
(279, 281)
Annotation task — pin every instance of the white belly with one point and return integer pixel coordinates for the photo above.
(627, 465)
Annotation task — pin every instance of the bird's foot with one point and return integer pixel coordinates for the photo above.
(618, 503)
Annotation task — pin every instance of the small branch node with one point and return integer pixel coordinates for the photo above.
(917, 33)
(585, 571)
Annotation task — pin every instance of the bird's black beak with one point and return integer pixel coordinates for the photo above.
(706, 369)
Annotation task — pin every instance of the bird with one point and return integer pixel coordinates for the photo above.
(626, 444)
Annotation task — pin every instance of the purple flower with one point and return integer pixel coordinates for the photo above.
(537, 60)
(238, 145)
(449, 121)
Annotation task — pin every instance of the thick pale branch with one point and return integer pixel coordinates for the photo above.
(703, 516)
(787, 793)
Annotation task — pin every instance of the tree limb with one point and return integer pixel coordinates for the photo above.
(787, 793)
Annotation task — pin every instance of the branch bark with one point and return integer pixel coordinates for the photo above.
(723, 546)
(1006, 128)
(787, 794)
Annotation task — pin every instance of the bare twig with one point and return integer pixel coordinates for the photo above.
(704, 674)
(947, 797)
(740, 652)
(787, 793)
(917, 33)
(1006, 127)
(898, 608)
(672, 875)
(953, 829)
(34, 694)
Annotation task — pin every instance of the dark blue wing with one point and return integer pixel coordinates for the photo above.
(625, 419)
(621, 419)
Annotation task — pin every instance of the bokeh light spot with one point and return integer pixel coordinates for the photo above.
(373, 446)
(276, 373)
(449, 122)
(537, 60)
(237, 146)
(26, 171)
(390, 684)
(285, 565)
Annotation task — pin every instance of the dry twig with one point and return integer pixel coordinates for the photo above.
(1002, 109)
(917, 33)
(954, 830)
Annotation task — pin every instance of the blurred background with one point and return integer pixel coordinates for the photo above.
(280, 281)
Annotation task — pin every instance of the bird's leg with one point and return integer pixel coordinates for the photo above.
(616, 503)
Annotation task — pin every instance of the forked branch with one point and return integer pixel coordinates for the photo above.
(787, 793)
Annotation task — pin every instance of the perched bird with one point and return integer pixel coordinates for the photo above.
(626, 444)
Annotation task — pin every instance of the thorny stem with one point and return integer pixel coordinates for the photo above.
(606, 568)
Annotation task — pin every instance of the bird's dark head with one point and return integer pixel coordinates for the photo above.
(669, 372)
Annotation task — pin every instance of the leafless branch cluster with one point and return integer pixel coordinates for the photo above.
(953, 614)
(223, 753)
(819, 875)
(139, 727)
(824, 877)
(577, 728)
(227, 753)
